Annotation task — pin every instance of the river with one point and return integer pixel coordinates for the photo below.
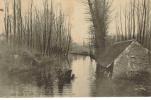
(85, 84)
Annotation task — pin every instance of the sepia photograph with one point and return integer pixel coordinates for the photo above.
(75, 48)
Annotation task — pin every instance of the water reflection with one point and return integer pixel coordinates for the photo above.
(84, 76)
(90, 80)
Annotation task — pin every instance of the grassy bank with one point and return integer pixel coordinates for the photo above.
(26, 66)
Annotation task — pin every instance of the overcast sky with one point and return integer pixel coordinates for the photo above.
(75, 10)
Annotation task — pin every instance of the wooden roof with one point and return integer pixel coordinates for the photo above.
(113, 52)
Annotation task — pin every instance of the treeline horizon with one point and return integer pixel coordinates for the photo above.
(46, 30)
(135, 23)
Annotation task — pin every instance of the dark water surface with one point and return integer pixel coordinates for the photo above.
(86, 83)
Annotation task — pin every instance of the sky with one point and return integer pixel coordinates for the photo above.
(76, 11)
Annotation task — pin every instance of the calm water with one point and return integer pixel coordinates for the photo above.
(86, 84)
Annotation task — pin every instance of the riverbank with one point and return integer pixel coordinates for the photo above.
(26, 74)
(83, 50)
(24, 65)
(84, 54)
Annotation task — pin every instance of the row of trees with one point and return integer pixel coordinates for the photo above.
(135, 22)
(46, 30)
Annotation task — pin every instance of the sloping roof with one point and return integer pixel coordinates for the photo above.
(113, 52)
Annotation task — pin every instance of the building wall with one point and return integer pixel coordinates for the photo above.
(132, 61)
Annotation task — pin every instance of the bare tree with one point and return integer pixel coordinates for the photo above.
(45, 31)
(136, 24)
(99, 11)
(6, 19)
